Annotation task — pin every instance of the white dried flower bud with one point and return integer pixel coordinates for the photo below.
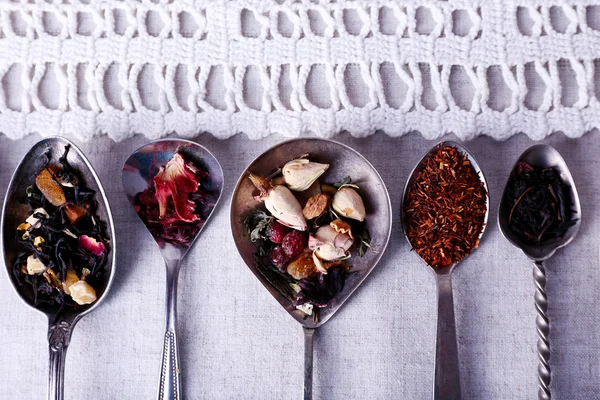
(301, 173)
(281, 203)
(348, 203)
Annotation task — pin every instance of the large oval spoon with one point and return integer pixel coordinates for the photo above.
(446, 384)
(344, 161)
(60, 323)
(138, 173)
(545, 156)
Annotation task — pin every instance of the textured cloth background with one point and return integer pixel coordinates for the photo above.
(237, 342)
(472, 67)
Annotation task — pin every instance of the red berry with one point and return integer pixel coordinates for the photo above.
(276, 232)
(294, 243)
(278, 257)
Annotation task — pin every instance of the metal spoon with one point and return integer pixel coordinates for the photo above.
(446, 384)
(344, 161)
(545, 156)
(60, 323)
(138, 173)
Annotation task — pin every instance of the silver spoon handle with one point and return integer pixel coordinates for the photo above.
(59, 336)
(543, 330)
(170, 383)
(309, 340)
(446, 385)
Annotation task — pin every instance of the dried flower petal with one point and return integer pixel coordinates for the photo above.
(175, 181)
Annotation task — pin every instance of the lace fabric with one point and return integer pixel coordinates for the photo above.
(260, 67)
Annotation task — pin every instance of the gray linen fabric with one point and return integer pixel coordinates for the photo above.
(237, 343)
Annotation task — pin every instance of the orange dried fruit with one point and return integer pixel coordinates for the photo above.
(316, 206)
(48, 184)
(302, 267)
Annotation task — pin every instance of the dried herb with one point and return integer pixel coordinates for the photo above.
(445, 208)
(540, 204)
(68, 238)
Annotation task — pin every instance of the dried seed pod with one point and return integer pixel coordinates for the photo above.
(316, 206)
(301, 173)
(348, 203)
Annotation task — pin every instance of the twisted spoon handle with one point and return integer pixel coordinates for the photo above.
(170, 383)
(543, 329)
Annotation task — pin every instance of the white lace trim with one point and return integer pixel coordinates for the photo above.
(126, 67)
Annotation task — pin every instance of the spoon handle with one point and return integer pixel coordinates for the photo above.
(446, 385)
(309, 340)
(170, 383)
(59, 336)
(543, 330)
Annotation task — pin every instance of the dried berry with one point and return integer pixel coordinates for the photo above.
(278, 257)
(294, 244)
(276, 232)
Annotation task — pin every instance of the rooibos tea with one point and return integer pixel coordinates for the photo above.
(446, 208)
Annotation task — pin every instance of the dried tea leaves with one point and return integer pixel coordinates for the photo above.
(540, 204)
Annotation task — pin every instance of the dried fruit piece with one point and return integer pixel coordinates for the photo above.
(276, 232)
(35, 265)
(278, 257)
(74, 213)
(302, 267)
(37, 242)
(316, 206)
(70, 279)
(47, 183)
(294, 244)
(82, 293)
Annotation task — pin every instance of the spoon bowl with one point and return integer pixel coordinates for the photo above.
(61, 322)
(344, 161)
(138, 173)
(544, 156)
(446, 382)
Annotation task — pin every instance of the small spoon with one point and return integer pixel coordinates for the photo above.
(344, 161)
(545, 156)
(138, 172)
(446, 383)
(60, 323)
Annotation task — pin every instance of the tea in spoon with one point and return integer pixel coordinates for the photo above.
(445, 207)
(174, 186)
(343, 161)
(540, 213)
(48, 251)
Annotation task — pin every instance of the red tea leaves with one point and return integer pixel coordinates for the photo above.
(445, 208)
